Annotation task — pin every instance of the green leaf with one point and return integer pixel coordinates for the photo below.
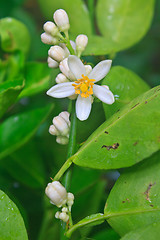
(126, 138)
(124, 23)
(8, 93)
(125, 85)
(107, 234)
(76, 10)
(134, 200)
(149, 232)
(11, 222)
(14, 35)
(37, 77)
(26, 166)
(18, 129)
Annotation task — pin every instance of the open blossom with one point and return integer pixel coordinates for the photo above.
(84, 86)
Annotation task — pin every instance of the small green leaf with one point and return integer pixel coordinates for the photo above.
(125, 85)
(14, 35)
(11, 222)
(37, 77)
(126, 138)
(76, 10)
(124, 23)
(134, 200)
(18, 129)
(8, 93)
(150, 232)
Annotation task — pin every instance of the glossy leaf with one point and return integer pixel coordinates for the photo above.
(18, 129)
(11, 222)
(124, 23)
(134, 200)
(123, 140)
(14, 35)
(149, 232)
(76, 10)
(125, 85)
(8, 93)
(37, 77)
(26, 166)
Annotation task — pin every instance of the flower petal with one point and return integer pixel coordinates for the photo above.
(76, 66)
(100, 70)
(104, 94)
(61, 90)
(83, 107)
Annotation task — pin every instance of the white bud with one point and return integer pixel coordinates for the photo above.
(50, 28)
(56, 193)
(65, 115)
(57, 214)
(61, 125)
(88, 69)
(81, 42)
(61, 78)
(73, 97)
(53, 130)
(52, 63)
(63, 45)
(73, 44)
(57, 53)
(62, 140)
(48, 39)
(64, 209)
(61, 19)
(65, 69)
(70, 200)
(64, 217)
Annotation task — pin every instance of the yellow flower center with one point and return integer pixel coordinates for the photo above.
(84, 86)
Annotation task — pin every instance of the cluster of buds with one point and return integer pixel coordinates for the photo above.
(59, 197)
(61, 128)
(59, 52)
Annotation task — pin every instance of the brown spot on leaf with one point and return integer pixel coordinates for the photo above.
(151, 205)
(146, 102)
(147, 191)
(106, 132)
(135, 106)
(114, 146)
(134, 144)
(126, 200)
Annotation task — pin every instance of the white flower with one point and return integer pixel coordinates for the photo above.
(84, 86)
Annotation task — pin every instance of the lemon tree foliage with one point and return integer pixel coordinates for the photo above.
(11, 222)
(134, 200)
(128, 137)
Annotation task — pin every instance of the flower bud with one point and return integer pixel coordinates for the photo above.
(61, 19)
(61, 125)
(57, 214)
(53, 130)
(64, 217)
(56, 193)
(48, 39)
(63, 45)
(70, 200)
(73, 44)
(61, 78)
(81, 42)
(65, 209)
(57, 53)
(50, 28)
(62, 140)
(65, 115)
(88, 69)
(65, 69)
(52, 63)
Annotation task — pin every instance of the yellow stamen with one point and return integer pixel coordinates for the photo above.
(84, 86)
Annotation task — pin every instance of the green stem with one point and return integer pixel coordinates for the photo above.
(69, 46)
(91, 4)
(102, 217)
